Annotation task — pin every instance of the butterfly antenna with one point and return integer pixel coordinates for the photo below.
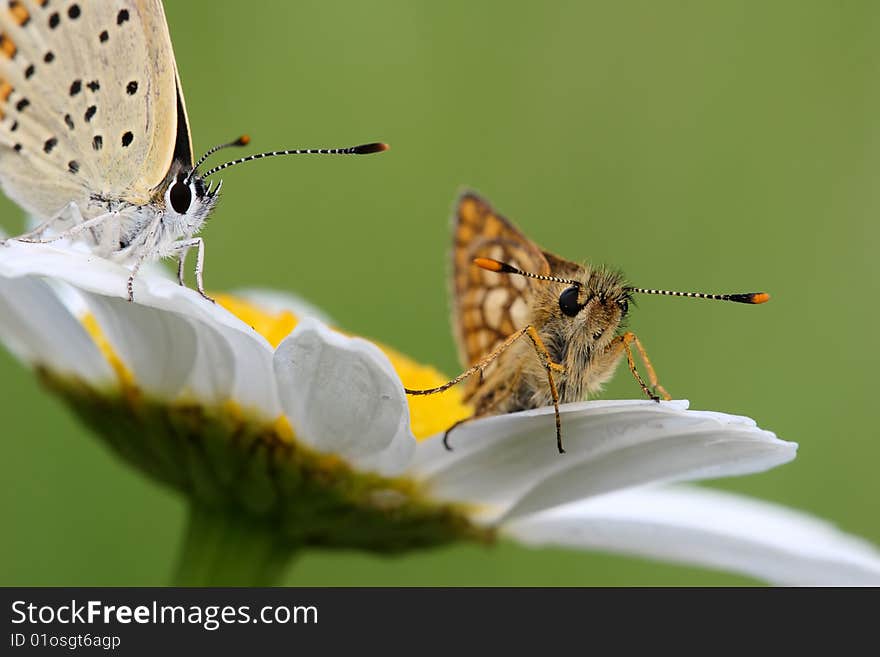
(504, 268)
(244, 140)
(744, 297)
(363, 149)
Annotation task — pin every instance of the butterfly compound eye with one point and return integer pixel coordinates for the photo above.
(568, 301)
(180, 197)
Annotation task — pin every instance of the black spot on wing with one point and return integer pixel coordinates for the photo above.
(131, 88)
(49, 145)
(54, 20)
(68, 121)
(73, 166)
(90, 112)
(75, 87)
(93, 86)
(97, 142)
(73, 11)
(49, 57)
(29, 72)
(127, 138)
(103, 36)
(122, 16)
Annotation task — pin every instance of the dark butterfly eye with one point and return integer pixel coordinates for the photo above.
(624, 306)
(568, 301)
(180, 197)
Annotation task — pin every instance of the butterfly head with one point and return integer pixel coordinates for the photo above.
(588, 304)
(186, 196)
(594, 304)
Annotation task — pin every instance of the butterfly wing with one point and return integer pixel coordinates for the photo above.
(488, 307)
(89, 102)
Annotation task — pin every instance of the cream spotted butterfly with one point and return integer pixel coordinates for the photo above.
(94, 138)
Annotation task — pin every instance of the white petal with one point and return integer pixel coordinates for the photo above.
(39, 328)
(158, 347)
(182, 343)
(509, 464)
(276, 301)
(709, 528)
(342, 396)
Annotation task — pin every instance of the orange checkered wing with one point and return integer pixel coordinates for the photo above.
(488, 307)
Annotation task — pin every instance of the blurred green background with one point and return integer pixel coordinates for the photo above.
(719, 146)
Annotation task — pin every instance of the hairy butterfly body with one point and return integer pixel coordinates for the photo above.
(537, 329)
(94, 137)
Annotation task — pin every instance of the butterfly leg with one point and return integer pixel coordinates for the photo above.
(487, 409)
(181, 260)
(70, 232)
(652, 375)
(478, 367)
(148, 238)
(546, 361)
(184, 246)
(623, 344)
(70, 211)
(455, 425)
(134, 272)
(550, 367)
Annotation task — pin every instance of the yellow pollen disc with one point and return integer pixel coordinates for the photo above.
(429, 414)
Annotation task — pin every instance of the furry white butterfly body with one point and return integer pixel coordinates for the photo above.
(94, 137)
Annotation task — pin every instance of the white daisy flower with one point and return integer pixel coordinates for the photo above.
(284, 433)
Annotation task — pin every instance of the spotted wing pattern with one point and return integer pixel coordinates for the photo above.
(89, 101)
(488, 307)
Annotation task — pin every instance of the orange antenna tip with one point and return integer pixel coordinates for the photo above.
(490, 264)
(244, 140)
(368, 149)
(749, 297)
(495, 265)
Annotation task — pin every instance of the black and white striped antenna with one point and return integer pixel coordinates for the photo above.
(363, 149)
(740, 297)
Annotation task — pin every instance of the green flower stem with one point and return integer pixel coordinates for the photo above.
(224, 548)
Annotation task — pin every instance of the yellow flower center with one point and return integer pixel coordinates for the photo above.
(428, 415)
